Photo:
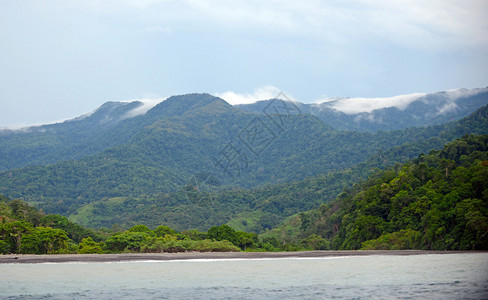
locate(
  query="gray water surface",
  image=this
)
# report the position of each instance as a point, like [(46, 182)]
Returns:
[(447, 276)]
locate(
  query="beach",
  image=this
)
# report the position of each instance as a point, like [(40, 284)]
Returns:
[(122, 257)]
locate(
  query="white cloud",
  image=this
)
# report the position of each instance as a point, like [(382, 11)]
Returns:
[(447, 108), (27, 128), (458, 93), (147, 104), (359, 105), (261, 93), (454, 95)]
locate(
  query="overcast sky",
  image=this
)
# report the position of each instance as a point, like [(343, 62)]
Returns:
[(60, 59)]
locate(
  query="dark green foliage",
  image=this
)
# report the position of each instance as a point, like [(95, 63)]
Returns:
[(172, 244), (144, 176), (127, 241), (315, 242), (74, 231), (192, 234), (4, 247), (12, 233), (438, 201), (88, 246), (164, 239), (20, 233), (240, 239), (19, 236), (30, 244), (223, 232), (264, 208), (140, 228), (403, 239), (44, 240), (162, 230), (22, 211)]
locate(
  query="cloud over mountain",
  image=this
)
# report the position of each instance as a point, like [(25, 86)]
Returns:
[(367, 105), (146, 105), (261, 93), (359, 105)]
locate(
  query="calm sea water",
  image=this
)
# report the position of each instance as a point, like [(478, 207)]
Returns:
[(449, 276)]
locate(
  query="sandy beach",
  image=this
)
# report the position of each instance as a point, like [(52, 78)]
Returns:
[(123, 257)]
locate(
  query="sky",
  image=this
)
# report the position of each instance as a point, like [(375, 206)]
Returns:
[(60, 59)]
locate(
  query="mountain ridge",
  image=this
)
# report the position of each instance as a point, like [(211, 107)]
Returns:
[(449, 98), (108, 126)]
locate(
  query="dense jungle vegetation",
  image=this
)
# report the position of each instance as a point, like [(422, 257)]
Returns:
[(437, 201)]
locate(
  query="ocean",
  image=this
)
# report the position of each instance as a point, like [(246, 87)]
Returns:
[(436, 276)]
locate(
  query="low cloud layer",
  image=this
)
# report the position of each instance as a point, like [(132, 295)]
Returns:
[(359, 105), (261, 93), (147, 104), (366, 105)]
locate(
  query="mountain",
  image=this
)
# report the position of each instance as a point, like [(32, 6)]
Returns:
[(200, 204), (116, 123), (386, 114), (142, 164), (72, 139), (112, 124)]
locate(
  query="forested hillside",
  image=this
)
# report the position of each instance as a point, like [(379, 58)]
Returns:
[(72, 139), (25, 230), (149, 175), (436, 201), (257, 209), (144, 181)]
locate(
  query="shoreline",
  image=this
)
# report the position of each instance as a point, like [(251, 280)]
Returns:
[(128, 257)]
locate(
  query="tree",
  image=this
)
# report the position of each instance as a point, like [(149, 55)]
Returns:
[(74, 231), (139, 228), (244, 240), (4, 247), (128, 241), (448, 165), (13, 232), (44, 240), (222, 232), (53, 240), (88, 246), (315, 242), (162, 230), (30, 244)]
